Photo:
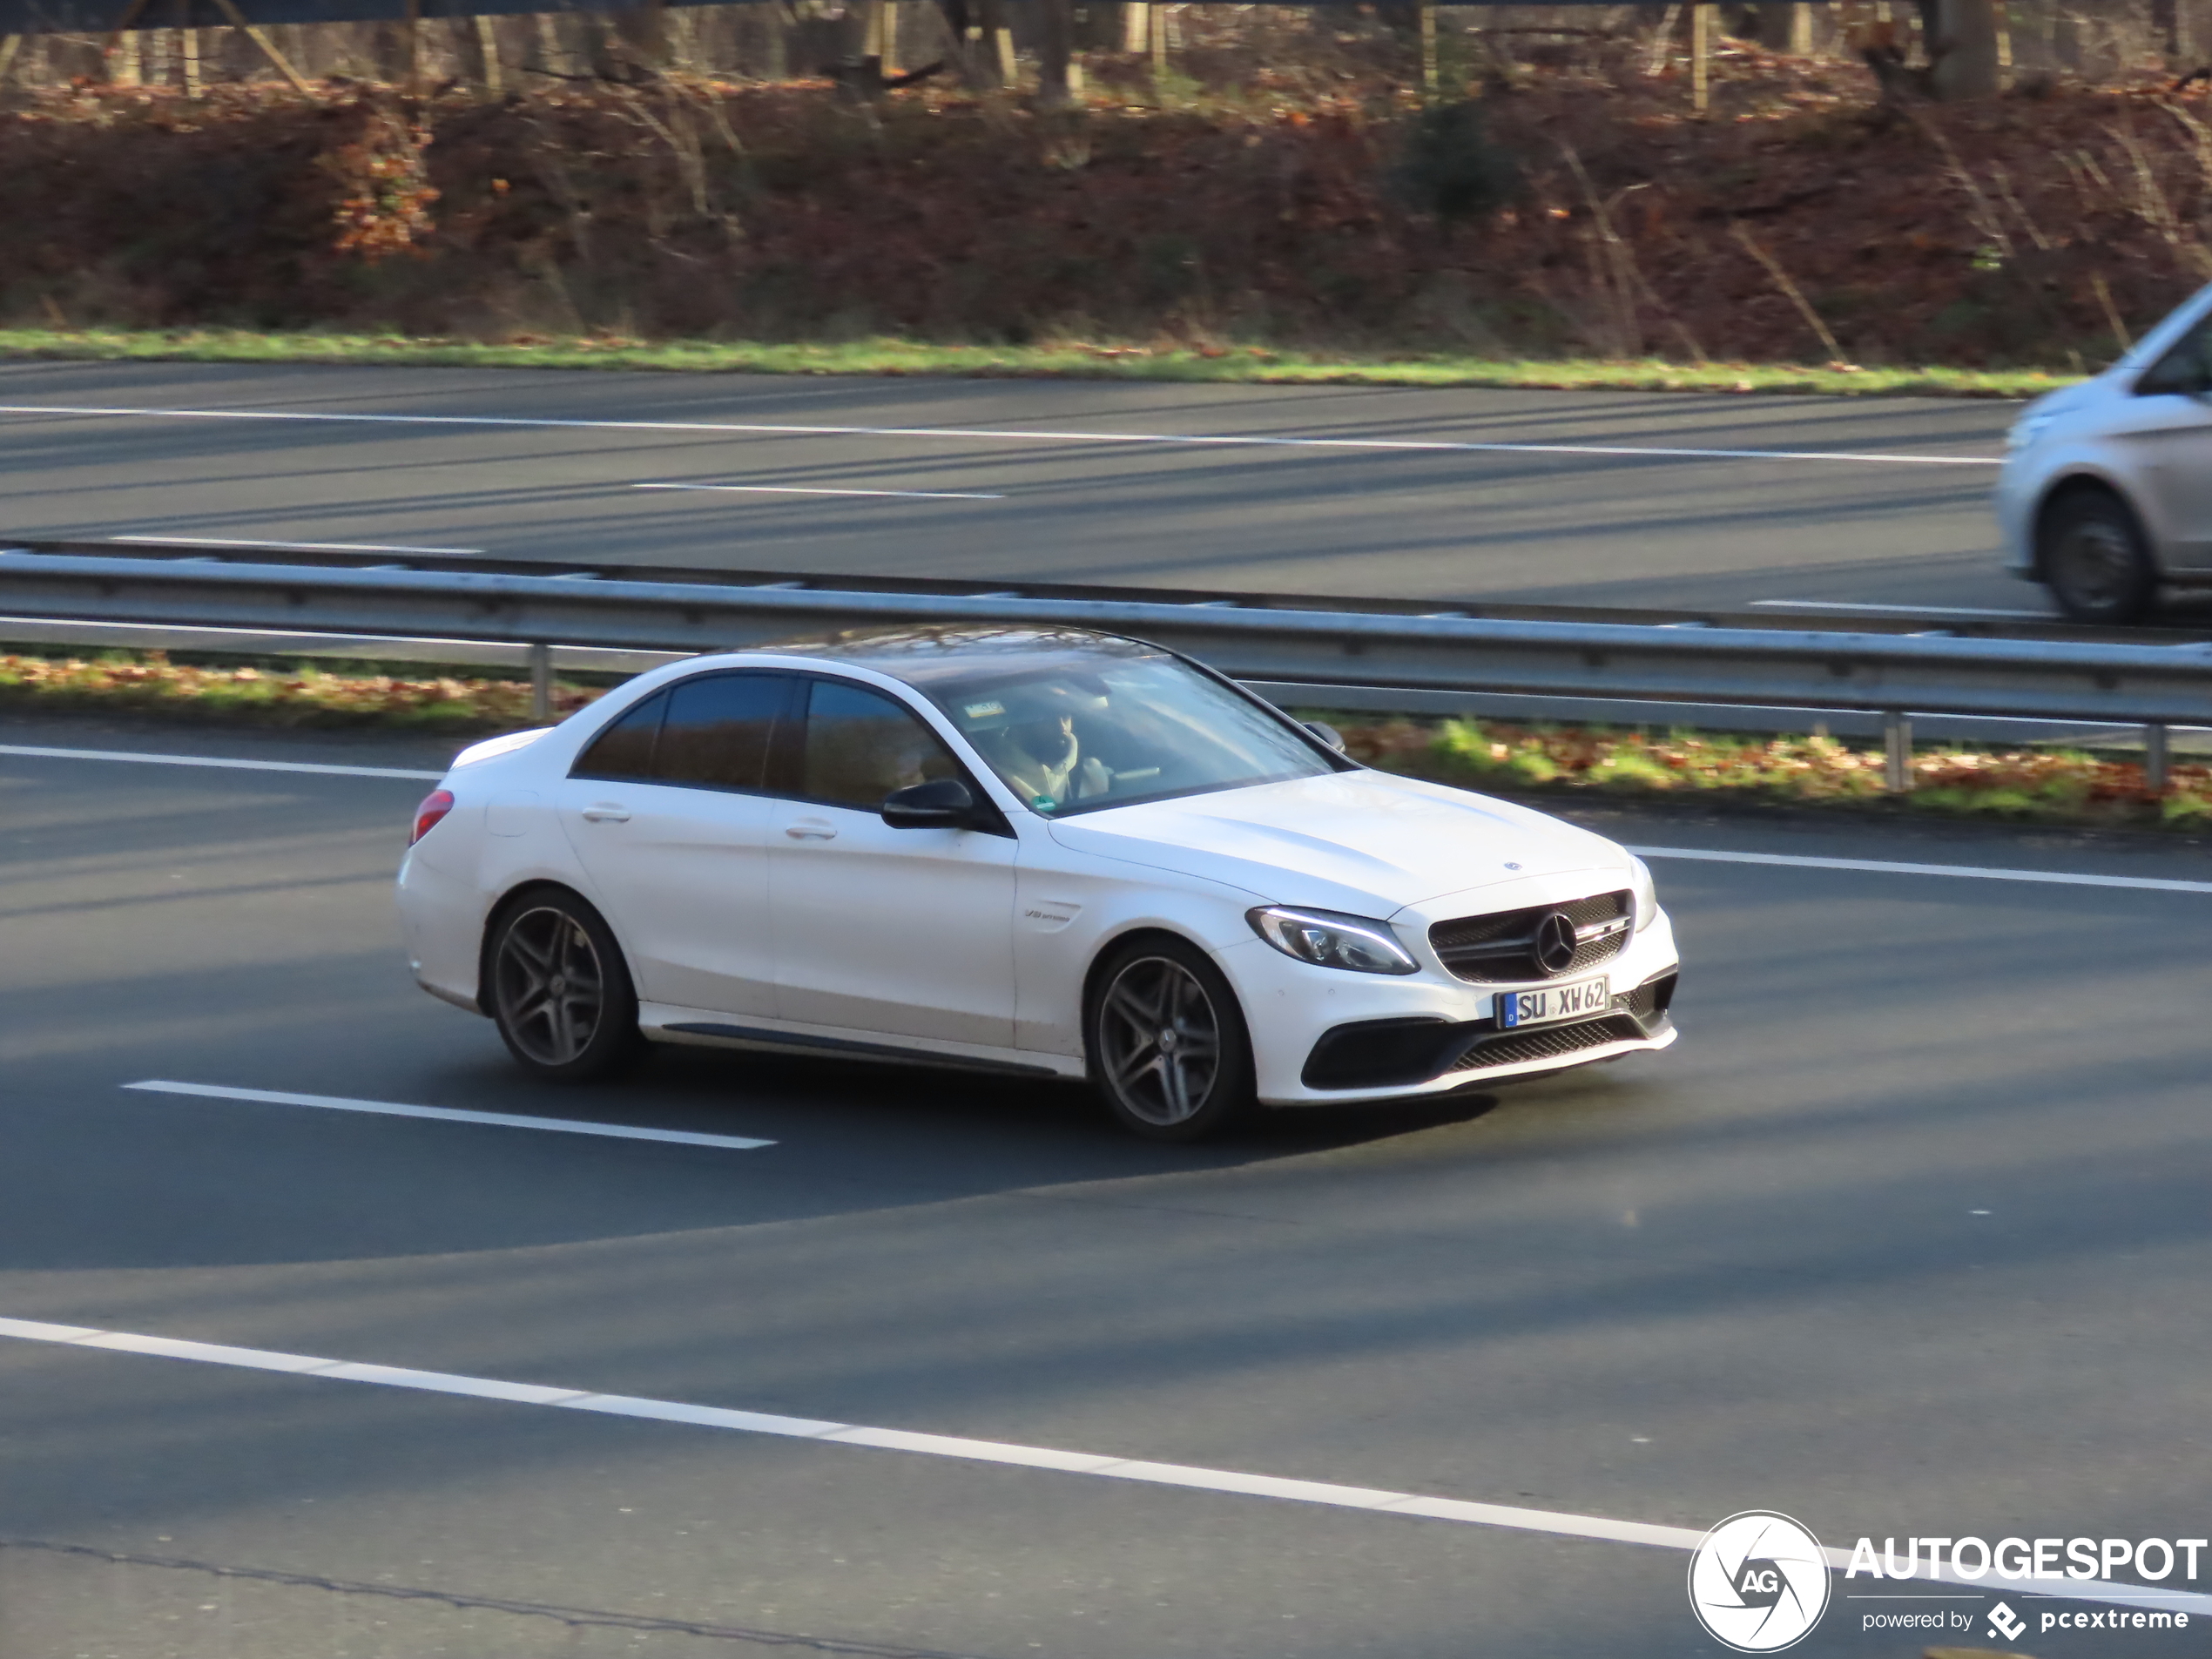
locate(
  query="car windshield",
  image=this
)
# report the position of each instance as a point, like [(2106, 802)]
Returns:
[(1080, 733)]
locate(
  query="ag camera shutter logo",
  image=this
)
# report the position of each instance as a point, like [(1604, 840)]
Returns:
[(1759, 1582)]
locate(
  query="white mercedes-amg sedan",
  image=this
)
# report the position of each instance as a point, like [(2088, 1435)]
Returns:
[(1030, 851)]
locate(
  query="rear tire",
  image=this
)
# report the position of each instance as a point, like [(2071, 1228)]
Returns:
[(1169, 1051), (559, 989), (2094, 561)]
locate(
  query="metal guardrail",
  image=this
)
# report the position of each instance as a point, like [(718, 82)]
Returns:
[(1893, 674), (1769, 615)]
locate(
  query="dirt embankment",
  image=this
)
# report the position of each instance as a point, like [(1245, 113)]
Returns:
[(1579, 213)]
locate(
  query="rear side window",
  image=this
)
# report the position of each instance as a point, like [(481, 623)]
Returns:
[(720, 730), (861, 745), (625, 749)]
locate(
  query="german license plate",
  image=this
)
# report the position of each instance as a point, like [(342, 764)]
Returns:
[(1582, 1000)]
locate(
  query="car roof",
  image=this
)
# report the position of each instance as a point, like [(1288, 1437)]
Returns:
[(926, 654)]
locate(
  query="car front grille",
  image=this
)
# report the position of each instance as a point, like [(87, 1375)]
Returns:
[(1548, 1043), (1500, 949)]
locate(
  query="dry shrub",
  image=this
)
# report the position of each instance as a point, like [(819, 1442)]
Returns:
[(2028, 230)]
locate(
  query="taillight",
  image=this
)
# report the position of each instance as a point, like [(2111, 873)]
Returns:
[(435, 806)]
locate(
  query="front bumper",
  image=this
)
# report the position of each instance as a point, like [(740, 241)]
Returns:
[(2018, 491), (1396, 1053), (1321, 1036)]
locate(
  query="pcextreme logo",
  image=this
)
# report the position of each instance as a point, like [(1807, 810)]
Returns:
[(1759, 1582)]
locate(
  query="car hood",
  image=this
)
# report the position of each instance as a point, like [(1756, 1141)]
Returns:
[(1360, 841)]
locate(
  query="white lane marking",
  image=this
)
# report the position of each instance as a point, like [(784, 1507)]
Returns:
[(34, 752), (283, 547), (1966, 872), (448, 1114), (795, 489), (1442, 445), (925, 1445), (1905, 610), (1371, 1499)]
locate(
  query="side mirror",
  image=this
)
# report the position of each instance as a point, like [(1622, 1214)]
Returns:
[(943, 803), (1327, 733)]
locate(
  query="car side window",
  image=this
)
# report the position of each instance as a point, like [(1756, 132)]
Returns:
[(720, 730), (861, 745), (2186, 368), (625, 749)]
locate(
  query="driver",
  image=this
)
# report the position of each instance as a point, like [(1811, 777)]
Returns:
[(1042, 758)]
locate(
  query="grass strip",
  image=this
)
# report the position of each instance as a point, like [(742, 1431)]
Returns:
[(2025, 786), (278, 694), (2069, 786), (1250, 365)]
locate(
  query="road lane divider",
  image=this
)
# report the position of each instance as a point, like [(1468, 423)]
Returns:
[(802, 489), (288, 547), (1232, 1482), (450, 1115), (1903, 611), (34, 751), (1961, 871), (997, 435)]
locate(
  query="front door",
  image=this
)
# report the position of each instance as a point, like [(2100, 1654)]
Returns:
[(667, 813), (2167, 435), (905, 932)]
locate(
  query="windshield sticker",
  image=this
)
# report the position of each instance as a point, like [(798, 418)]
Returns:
[(982, 710), (1043, 803)]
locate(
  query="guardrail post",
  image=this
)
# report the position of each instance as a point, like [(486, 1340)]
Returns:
[(540, 681), (2156, 762), (1897, 745)]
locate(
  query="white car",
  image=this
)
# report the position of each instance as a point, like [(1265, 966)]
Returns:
[(1045, 853), (2106, 493)]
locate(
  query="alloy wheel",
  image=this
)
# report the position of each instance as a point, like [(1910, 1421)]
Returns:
[(1160, 1040), (551, 986)]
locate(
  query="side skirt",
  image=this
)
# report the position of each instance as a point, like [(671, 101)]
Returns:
[(719, 1033)]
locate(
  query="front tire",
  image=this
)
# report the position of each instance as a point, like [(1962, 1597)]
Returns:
[(560, 992), (2095, 560), (1169, 1051)]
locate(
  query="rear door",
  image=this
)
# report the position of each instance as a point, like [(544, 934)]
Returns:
[(668, 811), (905, 931)]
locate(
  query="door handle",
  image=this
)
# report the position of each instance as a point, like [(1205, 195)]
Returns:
[(605, 815), (811, 831)]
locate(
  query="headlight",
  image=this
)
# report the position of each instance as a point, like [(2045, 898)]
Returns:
[(2029, 428), (1646, 893), (1328, 940)]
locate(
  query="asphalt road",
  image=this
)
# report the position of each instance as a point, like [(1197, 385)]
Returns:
[(1351, 491), (1907, 1235)]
